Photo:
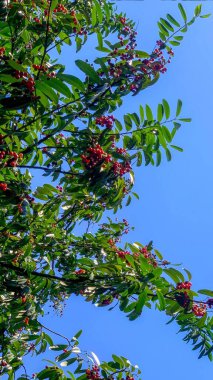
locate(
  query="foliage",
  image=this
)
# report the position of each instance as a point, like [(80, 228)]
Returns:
[(63, 125)]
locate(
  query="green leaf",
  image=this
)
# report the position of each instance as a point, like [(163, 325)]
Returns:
[(141, 302), (118, 360), (163, 29), (127, 122), (166, 133), (158, 254), (74, 81), (59, 86), (58, 347), (188, 273), (198, 10), (158, 158), (182, 11), (206, 16), (206, 292), (179, 107), (168, 155), (166, 108), (94, 15), (139, 158), (68, 362), (141, 54), (160, 112), (88, 70), (8, 78), (174, 274), (77, 335), (54, 3), (135, 118), (166, 24), (141, 113), (161, 300), (47, 91), (177, 148), (174, 43), (172, 20), (99, 11), (149, 114), (186, 120), (15, 65)]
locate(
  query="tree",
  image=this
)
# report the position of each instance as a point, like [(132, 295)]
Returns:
[(63, 125)]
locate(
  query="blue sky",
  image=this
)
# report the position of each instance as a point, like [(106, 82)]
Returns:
[(175, 206)]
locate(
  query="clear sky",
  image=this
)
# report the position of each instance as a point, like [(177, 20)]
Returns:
[(175, 207)]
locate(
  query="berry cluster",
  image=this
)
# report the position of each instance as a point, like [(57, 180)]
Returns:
[(74, 19), (93, 373), (121, 168), (26, 320), (36, 19), (183, 299), (199, 310), (3, 363), (30, 84), (60, 8), (120, 60), (95, 156), (122, 254), (121, 150), (27, 80), (157, 62), (59, 188), (2, 51), (3, 186), (20, 208), (39, 67), (151, 258), (11, 157), (20, 74), (145, 252), (29, 198), (105, 121), (107, 301), (118, 69), (184, 285), (80, 271)]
